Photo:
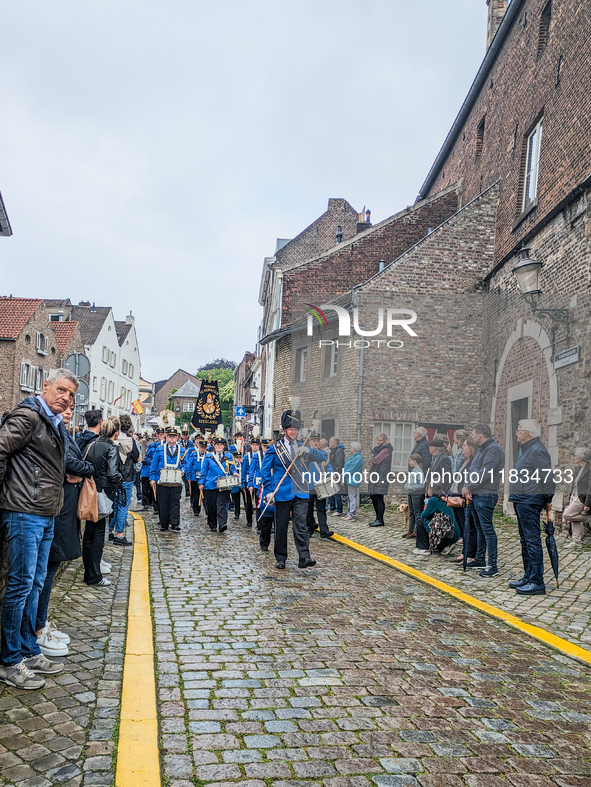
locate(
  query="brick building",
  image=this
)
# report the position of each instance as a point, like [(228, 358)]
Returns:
[(518, 164), (183, 400), (29, 349), (163, 388)]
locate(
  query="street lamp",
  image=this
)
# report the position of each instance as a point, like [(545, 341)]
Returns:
[(253, 393), (528, 274)]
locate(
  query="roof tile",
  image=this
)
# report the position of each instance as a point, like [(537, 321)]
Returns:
[(15, 314)]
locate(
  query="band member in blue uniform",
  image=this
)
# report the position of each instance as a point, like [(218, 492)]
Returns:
[(235, 493), (317, 470), (158, 440), (292, 495), (147, 494), (264, 520), (192, 464), (186, 445), (216, 465), (166, 478), (244, 474)]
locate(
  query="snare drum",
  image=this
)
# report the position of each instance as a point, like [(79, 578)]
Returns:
[(326, 490), (171, 476), (225, 483), (258, 480)]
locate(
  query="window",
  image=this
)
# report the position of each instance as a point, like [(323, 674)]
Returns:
[(544, 32), (103, 394), (39, 380), (55, 318), (400, 435), (480, 138), (131, 370), (532, 163), (302, 365), (189, 407), (106, 354), (25, 374), (42, 344), (113, 360), (124, 366), (95, 383), (331, 359), (333, 362), (110, 391)]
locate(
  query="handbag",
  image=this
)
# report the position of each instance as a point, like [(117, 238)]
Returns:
[(455, 501), (440, 526), (87, 499), (88, 502), (105, 505)]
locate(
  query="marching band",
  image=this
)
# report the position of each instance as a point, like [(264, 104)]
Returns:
[(278, 482)]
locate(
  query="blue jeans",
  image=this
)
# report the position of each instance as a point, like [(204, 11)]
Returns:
[(335, 503), (484, 505), (119, 518), (528, 520), (29, 540), (43, 605)]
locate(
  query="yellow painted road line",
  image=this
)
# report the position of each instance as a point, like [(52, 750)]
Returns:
[(533, 631), (138, 763)]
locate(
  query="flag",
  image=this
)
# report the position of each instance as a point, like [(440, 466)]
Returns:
[(137, 407), (208, 410)]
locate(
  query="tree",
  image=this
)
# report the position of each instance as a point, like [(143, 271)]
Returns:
[(219, 363), (220, 374)]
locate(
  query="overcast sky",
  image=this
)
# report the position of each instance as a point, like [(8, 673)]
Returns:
[(151, 153)]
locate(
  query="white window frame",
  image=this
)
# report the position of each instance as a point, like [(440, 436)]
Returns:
[(95, 384), (124, 366), (333, 364), (25, 375), (188, 407), (400, 436), (38, 380), (110, 391), (42, 344), (302, 368), (113, 360), (103, 393), (532, 165), (106, 354), (130, 369)]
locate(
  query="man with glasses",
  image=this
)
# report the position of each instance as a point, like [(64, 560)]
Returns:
[(532, 488)]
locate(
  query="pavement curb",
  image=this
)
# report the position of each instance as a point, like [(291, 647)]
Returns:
[(558, 643), (138, 763)]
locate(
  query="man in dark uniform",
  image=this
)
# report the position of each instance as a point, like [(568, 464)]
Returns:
[(186, 445), (290, 495)]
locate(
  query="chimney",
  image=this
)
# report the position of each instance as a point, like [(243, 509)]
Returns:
[(496, 12), (130, 320)]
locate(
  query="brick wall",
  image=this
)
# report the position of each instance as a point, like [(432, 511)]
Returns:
[(520, 87), (12, 353), (178, 379), (321, 234), (355, 261)]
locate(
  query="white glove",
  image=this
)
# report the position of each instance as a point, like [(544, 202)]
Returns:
[(302, 450)]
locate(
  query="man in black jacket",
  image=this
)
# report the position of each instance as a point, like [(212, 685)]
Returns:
[(532, 488), (421, 447), (486, 467), (32, 467)]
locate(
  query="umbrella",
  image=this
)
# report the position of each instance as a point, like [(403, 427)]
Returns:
[(551, 544)]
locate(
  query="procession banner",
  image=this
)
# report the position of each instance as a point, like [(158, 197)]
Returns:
[(208, 411)]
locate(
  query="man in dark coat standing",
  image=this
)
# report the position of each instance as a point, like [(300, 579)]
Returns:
[(531, 493), (421, 447), (33, 444)]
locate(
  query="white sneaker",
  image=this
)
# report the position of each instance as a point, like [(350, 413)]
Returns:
[(105, 567), (61, 636), (106, 563), (421, 552), (103, 582), (50, 646)]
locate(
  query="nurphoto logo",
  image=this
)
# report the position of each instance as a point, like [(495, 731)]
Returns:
[(394, 318)]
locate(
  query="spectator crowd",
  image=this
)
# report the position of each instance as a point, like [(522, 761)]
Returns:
[(48, 476)]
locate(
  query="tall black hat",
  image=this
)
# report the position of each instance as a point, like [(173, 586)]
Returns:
[(291, 418)]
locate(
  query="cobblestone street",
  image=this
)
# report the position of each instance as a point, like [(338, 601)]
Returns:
[(349, 674), (565, 610)]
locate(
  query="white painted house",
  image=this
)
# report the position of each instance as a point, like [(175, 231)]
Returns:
[(113, 352)]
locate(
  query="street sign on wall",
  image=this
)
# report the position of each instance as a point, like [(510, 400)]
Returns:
[(240, 412), (566, 357)]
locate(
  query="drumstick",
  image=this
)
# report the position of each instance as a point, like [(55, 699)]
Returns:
[(293, 461)]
